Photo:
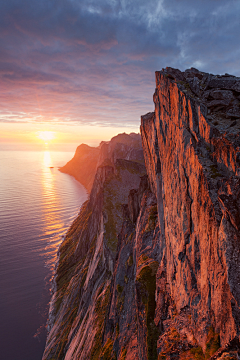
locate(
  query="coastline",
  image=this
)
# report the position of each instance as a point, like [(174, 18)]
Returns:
[(138, 271)]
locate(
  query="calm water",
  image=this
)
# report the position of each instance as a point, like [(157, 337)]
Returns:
[(37, 205)]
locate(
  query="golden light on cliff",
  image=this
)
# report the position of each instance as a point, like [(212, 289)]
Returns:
[(46, 136)]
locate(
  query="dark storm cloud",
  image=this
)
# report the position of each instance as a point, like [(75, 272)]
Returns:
[(94, 61)]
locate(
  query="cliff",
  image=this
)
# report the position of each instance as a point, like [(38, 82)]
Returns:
[(84, 164), (150, 268), (192, 141)]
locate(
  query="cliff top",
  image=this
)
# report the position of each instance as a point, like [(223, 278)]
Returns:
[(220, 94)]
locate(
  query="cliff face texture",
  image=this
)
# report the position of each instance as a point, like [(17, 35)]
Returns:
[(84, 164), (150, 268), (192, 143)]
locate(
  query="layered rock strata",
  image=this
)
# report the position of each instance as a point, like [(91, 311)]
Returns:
[(150, 268), (192, 147)]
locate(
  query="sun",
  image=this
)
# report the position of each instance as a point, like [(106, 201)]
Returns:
[(46, 135)]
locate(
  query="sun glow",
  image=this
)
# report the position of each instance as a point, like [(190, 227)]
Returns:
[(46, 136)]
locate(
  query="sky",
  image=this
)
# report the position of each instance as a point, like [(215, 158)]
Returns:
[(85, 69)]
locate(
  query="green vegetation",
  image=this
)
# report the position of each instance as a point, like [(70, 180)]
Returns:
[(119, 288), (120, 298), (58, 302), (143, 258), (68, 246), (66, 269), (107, 351), (129, 261), (170, 344), (67, 265), (152, 218), (101, 309), (110, 225), (65, 328), (147, 279), (131, 166), (106, 162), (197, 353), (213, 343), (214, 171)]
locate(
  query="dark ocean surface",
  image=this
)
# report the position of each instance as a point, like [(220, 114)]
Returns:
[(37, 205)]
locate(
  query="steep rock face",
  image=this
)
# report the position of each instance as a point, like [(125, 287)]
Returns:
[(150, 268), (122, 146), (84, 164), (84, 279), (193, 170)]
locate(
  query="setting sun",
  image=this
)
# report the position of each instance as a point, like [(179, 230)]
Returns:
[(46, 135)]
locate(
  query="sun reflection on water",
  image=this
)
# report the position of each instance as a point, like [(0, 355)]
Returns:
[(47, 159), (54, 228)]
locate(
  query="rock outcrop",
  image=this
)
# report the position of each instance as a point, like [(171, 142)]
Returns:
[(84, 164), (192, 146), (150, 268)]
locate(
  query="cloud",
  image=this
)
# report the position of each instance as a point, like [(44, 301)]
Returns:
[(93, 61)]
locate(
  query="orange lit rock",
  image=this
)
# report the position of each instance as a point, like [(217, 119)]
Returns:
[(150, 270)]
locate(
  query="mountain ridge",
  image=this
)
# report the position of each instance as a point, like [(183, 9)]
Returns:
[(149, 269)]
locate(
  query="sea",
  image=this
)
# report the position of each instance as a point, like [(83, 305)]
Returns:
[(37, 205)]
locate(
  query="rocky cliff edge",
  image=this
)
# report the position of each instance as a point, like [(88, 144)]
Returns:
[(150, 268), (87, 159)]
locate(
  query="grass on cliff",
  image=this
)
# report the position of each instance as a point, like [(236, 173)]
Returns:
[(152, 218), (113, 212), (107, 352), (120, 298), (123, 354), (171, 344), (70, 242), (133, 167), (65, 271), (65, 328), (129, 261), (214, 172), (147, 279), (67, 262), (212, 345), (110, 225), (142, 259), (101, 310)]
